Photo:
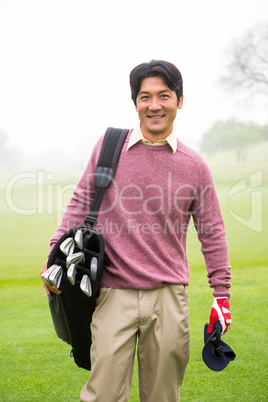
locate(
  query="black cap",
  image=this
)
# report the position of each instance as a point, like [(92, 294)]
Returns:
[(216, 354)]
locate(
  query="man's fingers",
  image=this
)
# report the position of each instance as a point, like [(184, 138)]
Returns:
[(48, 288), (213, 318)]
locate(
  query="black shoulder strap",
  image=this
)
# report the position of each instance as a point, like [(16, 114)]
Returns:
[(112, 145)]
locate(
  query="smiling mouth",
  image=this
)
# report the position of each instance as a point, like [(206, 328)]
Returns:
[(156, 117)]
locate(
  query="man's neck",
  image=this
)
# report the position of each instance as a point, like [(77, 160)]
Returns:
[(153, 137)]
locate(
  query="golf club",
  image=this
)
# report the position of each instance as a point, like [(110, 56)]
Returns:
[(79, 238), (85, 286), (94, 268), (55, 276), (67, 246), (48, 272), (75, 258), (71, 273)]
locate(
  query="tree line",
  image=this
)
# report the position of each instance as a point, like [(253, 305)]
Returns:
[(246, 74), (232, 135)]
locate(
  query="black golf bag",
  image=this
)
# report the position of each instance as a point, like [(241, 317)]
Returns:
[(72, 310)]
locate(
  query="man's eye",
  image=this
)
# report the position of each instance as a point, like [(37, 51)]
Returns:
[(164, 96), (144, 97)]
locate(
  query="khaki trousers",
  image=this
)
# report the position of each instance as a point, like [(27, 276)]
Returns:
[(159, 320)]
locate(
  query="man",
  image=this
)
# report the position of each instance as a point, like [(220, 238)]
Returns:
[(158, 186)]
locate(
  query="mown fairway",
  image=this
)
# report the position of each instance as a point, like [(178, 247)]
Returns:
[(35, 364)]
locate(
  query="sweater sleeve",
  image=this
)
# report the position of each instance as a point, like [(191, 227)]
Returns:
[(79, 205), (211, 232)]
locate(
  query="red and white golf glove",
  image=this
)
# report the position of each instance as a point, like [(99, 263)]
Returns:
[(220, 311)]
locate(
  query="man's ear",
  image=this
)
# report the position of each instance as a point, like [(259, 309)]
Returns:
[(180, 103)]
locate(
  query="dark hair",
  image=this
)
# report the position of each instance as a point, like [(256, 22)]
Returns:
[(156, 68)]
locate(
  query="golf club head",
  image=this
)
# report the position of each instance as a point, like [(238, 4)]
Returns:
[(58, 278), (94, 268), (67, 246), (56, 275), (75, 258), (48, 272), (79, 238), (85, 286), (71, 273)]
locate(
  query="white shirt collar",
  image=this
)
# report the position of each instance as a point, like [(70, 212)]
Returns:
[(137, 136)]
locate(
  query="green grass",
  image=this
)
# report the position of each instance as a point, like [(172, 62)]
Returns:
[(35, 364)]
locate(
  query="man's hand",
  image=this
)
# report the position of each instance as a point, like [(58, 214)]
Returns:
[(220, 311), (47, 287)]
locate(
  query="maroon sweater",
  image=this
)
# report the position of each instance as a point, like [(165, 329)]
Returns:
[(145, 215)]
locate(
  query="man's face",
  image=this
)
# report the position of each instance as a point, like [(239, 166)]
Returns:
[(157, 107)]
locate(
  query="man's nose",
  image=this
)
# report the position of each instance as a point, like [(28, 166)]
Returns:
[(154, 104)]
